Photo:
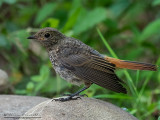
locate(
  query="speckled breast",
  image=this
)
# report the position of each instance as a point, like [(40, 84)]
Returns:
[(62, 71)]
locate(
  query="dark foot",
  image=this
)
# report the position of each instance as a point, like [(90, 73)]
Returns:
[(83, 95), (67, 98), (72, 96)]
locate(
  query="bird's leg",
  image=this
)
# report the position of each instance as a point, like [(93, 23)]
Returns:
[(77, 93), (71, 96)]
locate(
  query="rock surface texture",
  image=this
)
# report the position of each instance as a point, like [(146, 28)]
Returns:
[(14, 105), (38, 108), (80, 109), (3, 80)]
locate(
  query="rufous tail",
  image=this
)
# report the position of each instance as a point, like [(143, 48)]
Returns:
[(131, 64)]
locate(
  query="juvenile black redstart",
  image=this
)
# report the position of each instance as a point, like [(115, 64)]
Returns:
[(79, 64)]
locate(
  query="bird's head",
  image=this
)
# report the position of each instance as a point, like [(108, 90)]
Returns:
[(47, 36)]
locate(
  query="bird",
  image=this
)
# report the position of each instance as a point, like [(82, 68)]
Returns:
[(79, 64)]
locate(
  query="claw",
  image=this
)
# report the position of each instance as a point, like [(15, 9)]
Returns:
[(67, 98), (72, 96)]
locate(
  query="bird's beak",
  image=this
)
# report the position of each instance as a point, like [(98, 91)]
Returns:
[(31, 37)]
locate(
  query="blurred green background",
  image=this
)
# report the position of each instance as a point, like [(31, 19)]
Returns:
[(129, 29)]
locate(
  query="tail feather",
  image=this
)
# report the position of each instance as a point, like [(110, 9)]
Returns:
[(131, 64)]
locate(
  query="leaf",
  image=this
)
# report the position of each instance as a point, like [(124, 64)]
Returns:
[(55, 85), (26, 14), (50, 86), (150, 30), (19, 38), (73, 14), (119, 7), (36, 78), (1, 2), (89, 19), (30, 86), (44, 12), (10, 1), (22, 37), (44, 74), (44, 71), (3, 41), (72, 19), (20, 92), (156, 2), (41, 79), (51, 22)]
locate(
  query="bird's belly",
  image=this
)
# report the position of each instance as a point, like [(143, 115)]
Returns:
[(68, 75), (63, 72)]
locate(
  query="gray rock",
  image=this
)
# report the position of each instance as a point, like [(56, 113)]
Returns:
[(4, 83), (38, 108), (81, 109), (14, 105)]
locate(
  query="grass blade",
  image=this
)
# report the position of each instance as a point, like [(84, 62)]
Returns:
[(129, 79)]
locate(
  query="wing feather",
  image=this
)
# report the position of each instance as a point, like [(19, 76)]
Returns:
[(94, 69)]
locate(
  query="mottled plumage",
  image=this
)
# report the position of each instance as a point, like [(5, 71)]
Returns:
[(78, 63)]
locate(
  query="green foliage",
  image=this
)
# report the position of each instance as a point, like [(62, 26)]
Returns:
[(130, 81), (3, 41), (51, 22), (150, 30), (44, 12), (7, 1), (72, 19), (125, 29), (135, 94), (156, 2), (119, 7), (89, 19)]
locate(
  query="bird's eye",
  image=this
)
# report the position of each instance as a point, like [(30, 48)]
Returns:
[(47, 35)]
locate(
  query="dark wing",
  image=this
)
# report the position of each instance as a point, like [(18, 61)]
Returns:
[(94, 69)]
